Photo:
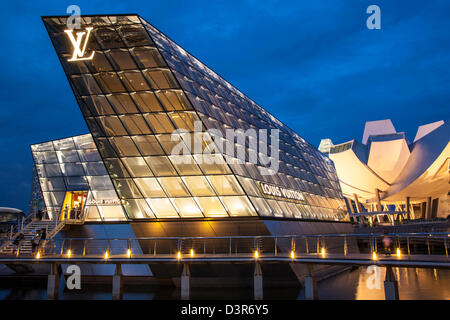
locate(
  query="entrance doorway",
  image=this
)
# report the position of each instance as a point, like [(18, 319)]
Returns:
[(73, 206)]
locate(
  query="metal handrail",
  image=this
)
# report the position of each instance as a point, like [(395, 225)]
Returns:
[(235, 245), (333, 235)]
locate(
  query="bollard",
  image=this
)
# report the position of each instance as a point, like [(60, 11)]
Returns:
[(258, 282)]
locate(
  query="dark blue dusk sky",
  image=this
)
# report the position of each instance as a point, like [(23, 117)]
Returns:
[(312, 64)]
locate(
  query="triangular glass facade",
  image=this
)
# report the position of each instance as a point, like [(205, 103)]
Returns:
[(140, 87)]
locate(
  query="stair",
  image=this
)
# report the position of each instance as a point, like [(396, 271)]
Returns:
[(25, 248)]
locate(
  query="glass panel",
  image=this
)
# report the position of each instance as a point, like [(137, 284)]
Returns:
[(125, 146), (72, 169), (108, 38), (46, 146), (50, 170), (67, 156), (212, 207), (238, 206), (122, 59), (92, 213), (184, 120), (54, 199), (249, 186), (65, 144), (134, 35), (116, 169), (136, 81), (150, 187), (112, 126), (100, 183), (135, 124), (45, 157), (111, 212), (174, 186), (85, 85), (173, 100), (84, 142), (95, 169), (161, 166), (172, 143), (98, 63), (261, 205), (126, 188), (148, 145), (225, 185), (122, 103), (147, 102), (160, 123), (89, 155), (109, 82), (185, 165), (276, 210), (108, 196), (162, 208), (199, 186), (286, 210), (76, 183), (294, 209), (138, 209), (52, 184), (160, 78), (147, 57), (187, 207), (212, 163), (137, 167)]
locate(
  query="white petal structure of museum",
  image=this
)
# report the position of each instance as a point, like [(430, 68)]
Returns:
[(387, 173)]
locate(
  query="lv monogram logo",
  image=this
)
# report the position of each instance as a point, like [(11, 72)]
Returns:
[(78, 52)]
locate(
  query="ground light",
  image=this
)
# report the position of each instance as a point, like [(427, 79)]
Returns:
[(399, 253), (179, 255), (374, 256), (38, 255), (256, 254), (192, 253), (129, 253), (106, 255), (292, 254), (69, 253), (323, 252)]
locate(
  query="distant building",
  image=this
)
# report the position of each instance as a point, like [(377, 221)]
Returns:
[(388, 173), (325, 145), (10, 218)]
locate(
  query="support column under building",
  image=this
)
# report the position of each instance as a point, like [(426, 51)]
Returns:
[(53, 282), (185, 283), (358, 205), (408, 208), (117, 284), (390, 285), (310, 285), (377, 194), (258, 282), (428, 209)]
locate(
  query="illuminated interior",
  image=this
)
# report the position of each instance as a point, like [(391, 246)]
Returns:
[(73, 205)]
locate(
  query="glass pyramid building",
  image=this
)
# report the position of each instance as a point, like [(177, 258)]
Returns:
[(143, 96)]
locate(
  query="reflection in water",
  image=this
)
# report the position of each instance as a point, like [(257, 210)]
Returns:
[(359, 284), (413, 284)]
